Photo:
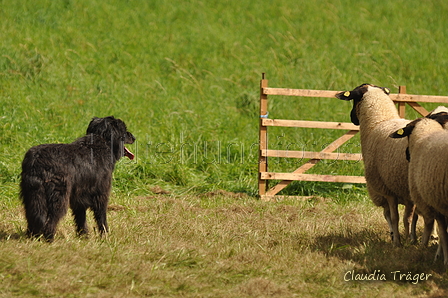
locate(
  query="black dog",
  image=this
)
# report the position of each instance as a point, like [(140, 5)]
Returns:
[(79, 175)]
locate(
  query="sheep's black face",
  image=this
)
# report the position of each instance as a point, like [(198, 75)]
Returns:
[(357, 96), (441, 118)]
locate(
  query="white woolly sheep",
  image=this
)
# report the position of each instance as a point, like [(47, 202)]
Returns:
[(385, 165), (428, 173)]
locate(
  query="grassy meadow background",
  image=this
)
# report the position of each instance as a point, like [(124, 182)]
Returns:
[(184, 76)]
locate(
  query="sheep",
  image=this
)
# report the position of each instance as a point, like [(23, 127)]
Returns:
[(427, 155), (386, 168)]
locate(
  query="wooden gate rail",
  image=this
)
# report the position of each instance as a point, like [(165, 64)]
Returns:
[(401, 98)]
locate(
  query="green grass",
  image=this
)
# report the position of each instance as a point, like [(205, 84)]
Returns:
[(184, 76)]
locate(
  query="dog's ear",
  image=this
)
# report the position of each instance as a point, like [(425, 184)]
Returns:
[(95, 125), (100, 126)]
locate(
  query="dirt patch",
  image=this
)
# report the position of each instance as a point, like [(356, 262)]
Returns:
[(224, 193), (116, 207), (159, 191)]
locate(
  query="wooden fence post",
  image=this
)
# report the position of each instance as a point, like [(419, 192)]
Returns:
[(263, 145), (401, 105)]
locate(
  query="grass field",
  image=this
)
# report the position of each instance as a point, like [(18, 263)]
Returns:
[(184, 76), (219, 245)]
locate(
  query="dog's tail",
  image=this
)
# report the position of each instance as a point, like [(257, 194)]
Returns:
[(35, 203)]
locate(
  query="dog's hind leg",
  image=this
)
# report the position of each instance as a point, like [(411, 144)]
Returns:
[(58, 200), (79, 215), (50, 228), (36, 218), (51, 225)]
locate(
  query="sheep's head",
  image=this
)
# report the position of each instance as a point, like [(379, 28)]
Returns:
[(438, 110), (357, 95), (406, 131), (440, 114)]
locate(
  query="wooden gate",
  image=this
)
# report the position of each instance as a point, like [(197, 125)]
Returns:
[(401, 98)]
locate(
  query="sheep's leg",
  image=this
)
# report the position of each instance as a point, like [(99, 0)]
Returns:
[(386, 213), (414, 227), (427, 231), (439, 252), (408, 220), (394, 217), (443, 237)]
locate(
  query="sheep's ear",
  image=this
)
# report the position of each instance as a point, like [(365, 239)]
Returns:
[(356, 94), (402, 132), (398, 134), (344, 95)]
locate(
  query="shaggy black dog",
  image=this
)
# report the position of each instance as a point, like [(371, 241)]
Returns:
[(79, 175)]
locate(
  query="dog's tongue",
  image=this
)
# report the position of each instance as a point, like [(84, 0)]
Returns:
[(128, 153)]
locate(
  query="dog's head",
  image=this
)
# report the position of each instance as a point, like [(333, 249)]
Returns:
[(113, 130)]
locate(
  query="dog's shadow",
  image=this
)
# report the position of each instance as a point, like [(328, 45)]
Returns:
[(7, 235)]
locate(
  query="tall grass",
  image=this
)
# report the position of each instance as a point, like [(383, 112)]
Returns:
[(184, 76)]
